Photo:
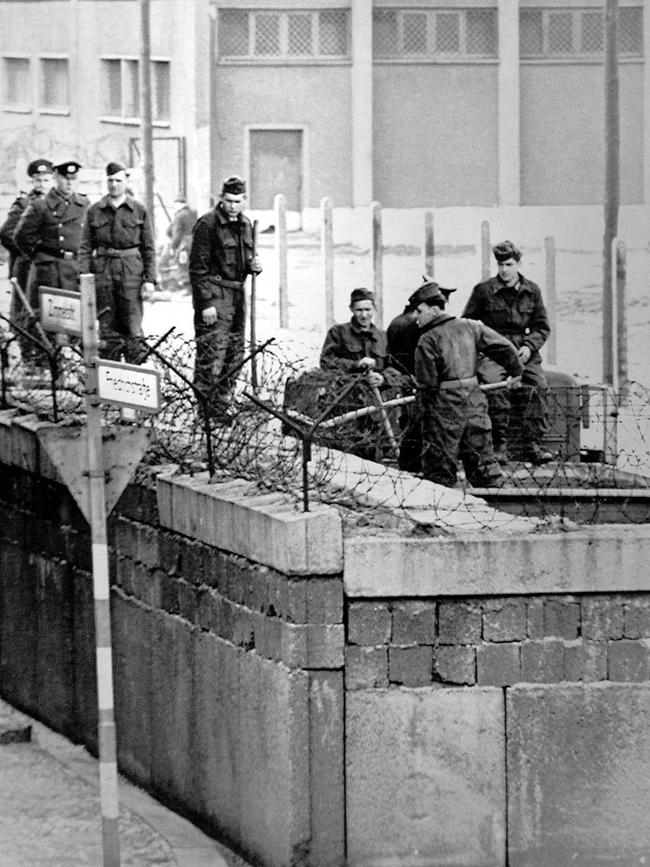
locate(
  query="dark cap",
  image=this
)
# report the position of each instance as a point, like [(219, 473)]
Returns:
[(361, 294), (69, 169), (506, 250), (39, 167), (234, 185), (114, 168), (429, 290)]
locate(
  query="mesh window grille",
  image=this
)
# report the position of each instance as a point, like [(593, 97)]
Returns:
[(433, 34), (577, 32), (291, 34)]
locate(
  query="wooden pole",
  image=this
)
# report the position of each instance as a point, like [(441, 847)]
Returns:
[(253, 314), (327, 257), (429, 244), (377, 262), (146, 120), (551, 299), (612, 191), (621, 318), (485, 250), (101, 583), (280, 208)]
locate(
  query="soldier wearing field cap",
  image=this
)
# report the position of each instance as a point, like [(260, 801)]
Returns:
[(455, 421), (118, 248), (221, 257), (40, 175), (49, 232)]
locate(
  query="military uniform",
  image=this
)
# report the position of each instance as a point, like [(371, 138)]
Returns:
[(118, 247), (455, 421), (519, 314)]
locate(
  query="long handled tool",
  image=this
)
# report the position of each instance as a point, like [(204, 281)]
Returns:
[(253, 314)]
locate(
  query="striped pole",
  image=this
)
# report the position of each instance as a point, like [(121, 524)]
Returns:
[(101, 583)]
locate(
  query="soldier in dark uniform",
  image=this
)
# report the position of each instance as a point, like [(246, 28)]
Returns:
[(40, 173), (221, 258), (118, 247), (455, 421), (514, 307)]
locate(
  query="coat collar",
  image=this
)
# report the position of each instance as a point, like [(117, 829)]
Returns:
[(522, 286), (105, 202)]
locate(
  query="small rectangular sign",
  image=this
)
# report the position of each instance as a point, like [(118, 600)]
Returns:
[(129, 385), (60, 310)]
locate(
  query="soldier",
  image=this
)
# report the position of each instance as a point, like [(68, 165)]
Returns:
[(221, 258), (513, 306), (118, 248), (455, 421), (40, 173)]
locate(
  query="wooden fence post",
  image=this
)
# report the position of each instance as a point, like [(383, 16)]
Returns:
[(377, 262), (280, 208), (551, 298), (621, 319), (429, 244), (485, 250), (327, 258)]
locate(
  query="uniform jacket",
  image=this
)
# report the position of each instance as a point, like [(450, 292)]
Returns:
[(18, 263), (52, 224), (119, 228), (346, 344), (449, 349), (403, 335), (220, 251), (519, 315)]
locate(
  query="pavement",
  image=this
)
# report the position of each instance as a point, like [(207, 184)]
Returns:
[(50, 812)]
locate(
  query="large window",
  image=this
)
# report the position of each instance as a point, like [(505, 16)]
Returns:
[(17, 88), (120, 89), (434, 34), (577, 33), (299, 35), (53, 86)]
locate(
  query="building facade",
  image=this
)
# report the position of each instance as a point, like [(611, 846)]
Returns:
[(413, 103)]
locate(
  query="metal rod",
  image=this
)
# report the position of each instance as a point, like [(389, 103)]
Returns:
[(253, 313)]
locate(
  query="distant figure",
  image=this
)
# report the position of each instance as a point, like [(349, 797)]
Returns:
[(118, 248), (514, 307), (455, 421), (221, 258), (180, 229)]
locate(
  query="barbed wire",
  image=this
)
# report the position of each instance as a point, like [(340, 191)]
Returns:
[(299, 432)]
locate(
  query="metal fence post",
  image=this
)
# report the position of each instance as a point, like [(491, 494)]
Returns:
[(377, 262), (551, 299), (327, 258), (429, 244), (485, 250), (280, 208)]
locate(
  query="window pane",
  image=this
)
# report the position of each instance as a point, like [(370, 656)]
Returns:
[(300, 35), (592, 39), (630, 31), (560, 33), (481, 32), (111, 87), (531, 33), (131, 105), (16, 90), (384, 33), (333, 32), (267, 34), (54, 82), (414, 33), (447, 33), (160, 80), (233, 33)]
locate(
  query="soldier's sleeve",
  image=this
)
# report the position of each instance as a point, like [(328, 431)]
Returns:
[(26, 232), (539, 325), (426, 365), (474, 307), (148, 250), (9, 226), (204, 284), (498, 348), (86, 247), (331, 356)]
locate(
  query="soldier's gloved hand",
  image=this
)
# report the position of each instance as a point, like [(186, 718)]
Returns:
[(209, 315), (147, 291), (256, 265), (366, 363), (375, 378), (524, 353)]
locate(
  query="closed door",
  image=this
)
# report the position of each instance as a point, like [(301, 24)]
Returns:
[(276, 167)]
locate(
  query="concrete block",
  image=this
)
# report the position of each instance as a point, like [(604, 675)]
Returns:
[(585, 660), (602, 617), (627, 660), (26, 448), (535, 618), (459, 623), (6, 435), (414, 622), (19, 627), (273, 760), (369, 623), (85, 664), (504, 620), (561, 618), (578, 774), (636, 615), (542, 661), (425, 777), (497, 664), (454, 664), (366, 667), (410, 666)]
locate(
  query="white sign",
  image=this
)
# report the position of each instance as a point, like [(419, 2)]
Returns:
[(129, 385), (60, 310)]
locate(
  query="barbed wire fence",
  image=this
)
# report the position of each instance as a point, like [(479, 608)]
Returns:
[(321, 436)]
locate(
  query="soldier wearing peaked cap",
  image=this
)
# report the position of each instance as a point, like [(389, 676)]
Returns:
[(118, 248)]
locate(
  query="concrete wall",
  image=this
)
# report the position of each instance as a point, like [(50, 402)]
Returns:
[(474, 697)]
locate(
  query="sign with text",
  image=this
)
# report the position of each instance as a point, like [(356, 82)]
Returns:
[(129, 385), (60, 310)]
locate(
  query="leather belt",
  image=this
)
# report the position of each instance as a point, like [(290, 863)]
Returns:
[(115, 251), (469, 382), (58, 254), (230, 284)]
